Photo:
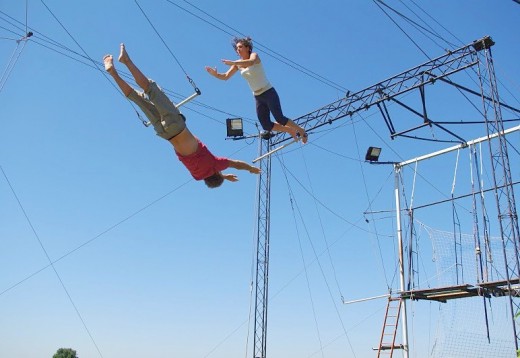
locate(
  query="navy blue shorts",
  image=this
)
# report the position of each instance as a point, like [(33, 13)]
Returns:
[(266, 103)]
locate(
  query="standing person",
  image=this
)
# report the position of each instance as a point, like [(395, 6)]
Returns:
[(266, 97), (170, 124)]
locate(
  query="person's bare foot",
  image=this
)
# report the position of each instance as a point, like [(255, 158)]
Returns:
[(108, 60), (294, 134), (302, 135), (123, 55)]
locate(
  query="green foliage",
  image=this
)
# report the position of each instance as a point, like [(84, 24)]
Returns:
[(65, 353)]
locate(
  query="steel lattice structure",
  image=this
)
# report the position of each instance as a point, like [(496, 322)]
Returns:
[(262, 252), (502, 179), (415, 78), (477, 55)]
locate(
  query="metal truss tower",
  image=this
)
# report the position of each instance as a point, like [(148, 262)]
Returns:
[(502, 179), (262, 249), (478, 55)]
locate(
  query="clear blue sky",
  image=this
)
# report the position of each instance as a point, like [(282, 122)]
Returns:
[(158, 265)]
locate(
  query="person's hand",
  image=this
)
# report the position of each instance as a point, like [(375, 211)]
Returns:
[(254, 170), (228, 62), (230, 177), (211, 70)]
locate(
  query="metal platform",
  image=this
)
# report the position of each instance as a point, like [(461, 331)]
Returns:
[(487, 289)]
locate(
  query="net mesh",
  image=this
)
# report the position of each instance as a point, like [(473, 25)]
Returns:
[(464, 323)]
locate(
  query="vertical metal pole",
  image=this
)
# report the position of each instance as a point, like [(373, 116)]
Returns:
[(262, 250), (404, 321)]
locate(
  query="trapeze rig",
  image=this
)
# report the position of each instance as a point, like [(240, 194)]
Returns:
[(476, 54)]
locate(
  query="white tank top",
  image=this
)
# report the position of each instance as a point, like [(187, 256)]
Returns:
[(256, 78)]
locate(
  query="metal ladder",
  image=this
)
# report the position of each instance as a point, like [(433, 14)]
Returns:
[(387, 342)]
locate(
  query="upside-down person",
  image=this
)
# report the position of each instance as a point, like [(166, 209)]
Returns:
[(170, 124)]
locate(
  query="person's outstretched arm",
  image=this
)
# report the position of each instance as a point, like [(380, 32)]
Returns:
[(240, 165), (222, 76), (252, 60)]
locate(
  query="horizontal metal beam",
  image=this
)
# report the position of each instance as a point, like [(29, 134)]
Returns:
[(456, 147)]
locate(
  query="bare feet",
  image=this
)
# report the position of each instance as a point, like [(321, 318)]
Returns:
[(297, 132), (293, 134), (108, 60), (303, 135), (123, 55)]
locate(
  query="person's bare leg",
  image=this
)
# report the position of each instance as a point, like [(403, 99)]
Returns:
[(140, 79), (108, 60)]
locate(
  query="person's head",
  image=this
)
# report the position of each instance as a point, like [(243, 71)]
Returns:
[(214, 181), (244, 42)]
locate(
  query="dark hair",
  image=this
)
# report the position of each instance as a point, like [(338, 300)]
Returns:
[(246, 41), (214, 181)]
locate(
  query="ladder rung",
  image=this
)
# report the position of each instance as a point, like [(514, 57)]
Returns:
[(390, 324)]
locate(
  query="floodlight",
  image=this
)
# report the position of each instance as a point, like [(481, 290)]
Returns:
[(234, 127), (373, 154)]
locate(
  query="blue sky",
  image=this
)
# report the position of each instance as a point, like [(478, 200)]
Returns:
[(156, 264)]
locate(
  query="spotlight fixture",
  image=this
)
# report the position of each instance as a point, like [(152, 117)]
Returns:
[(373, 154), (234, 127)]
